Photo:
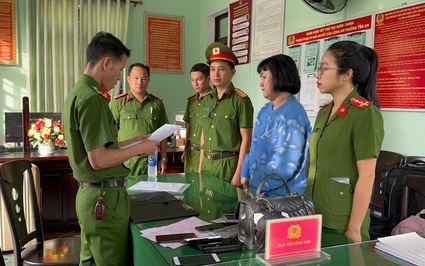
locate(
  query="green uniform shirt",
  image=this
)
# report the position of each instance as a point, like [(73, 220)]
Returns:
[(223, 119), (137, 118), (193, 116), (353, 133), (89, 124)]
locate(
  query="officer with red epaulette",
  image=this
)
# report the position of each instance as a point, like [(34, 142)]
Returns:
[(228, 118), (139, 112), (345, 143)]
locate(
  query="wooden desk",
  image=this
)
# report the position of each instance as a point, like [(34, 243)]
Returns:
[(59, 188)]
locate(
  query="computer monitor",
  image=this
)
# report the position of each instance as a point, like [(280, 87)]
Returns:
[(13, 123)]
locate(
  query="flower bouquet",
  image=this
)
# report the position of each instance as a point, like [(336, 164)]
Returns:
[(45, 131)]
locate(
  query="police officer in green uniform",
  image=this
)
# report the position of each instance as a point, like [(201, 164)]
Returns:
[(228, 118), (200, 79), (102, 203), (345, 143), (139, 112)]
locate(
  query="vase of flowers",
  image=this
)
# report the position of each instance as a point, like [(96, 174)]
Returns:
[(46, 133)]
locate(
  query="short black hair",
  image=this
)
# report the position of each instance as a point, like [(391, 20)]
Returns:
[(105, 44), (141, 66), (201, 67), (284, 72)]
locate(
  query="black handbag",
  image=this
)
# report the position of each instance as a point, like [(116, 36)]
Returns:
[(252, 231)]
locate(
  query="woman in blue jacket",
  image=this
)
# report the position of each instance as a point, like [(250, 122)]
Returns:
[(281, 132)]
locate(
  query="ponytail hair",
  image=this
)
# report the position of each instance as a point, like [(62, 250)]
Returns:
[(363, 61)]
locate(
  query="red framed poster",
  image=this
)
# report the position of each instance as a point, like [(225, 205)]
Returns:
[(240, 29), (164, 43), (8, 29), (399, 36)]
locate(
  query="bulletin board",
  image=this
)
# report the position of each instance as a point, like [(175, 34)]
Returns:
[(8, 33), (307, 47), (164, 42), (396, 35)]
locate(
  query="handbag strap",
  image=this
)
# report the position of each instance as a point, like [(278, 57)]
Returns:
[(269, 205), (260, 186)]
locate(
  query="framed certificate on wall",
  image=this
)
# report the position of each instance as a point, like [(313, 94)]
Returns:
[(164, 42), (8, 32)]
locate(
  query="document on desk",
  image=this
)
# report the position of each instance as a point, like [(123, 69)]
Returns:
[(159, 186), (185, 226), (409, 247), (159, 134)]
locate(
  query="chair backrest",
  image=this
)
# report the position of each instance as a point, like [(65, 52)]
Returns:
[(12, 177), (414, 187), (386, 161)]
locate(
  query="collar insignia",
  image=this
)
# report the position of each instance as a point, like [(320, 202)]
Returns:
[(342, 110), (105, 94)]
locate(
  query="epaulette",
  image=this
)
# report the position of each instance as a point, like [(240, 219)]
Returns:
[(121, 95), (208, 93), (241, 93), (159, 98), (359, 102), (191, 96), (325, 104)]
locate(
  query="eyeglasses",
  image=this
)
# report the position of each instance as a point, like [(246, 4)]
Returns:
[(320, 69)]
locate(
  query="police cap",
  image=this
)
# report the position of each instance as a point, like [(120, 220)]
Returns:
[(220, 51)]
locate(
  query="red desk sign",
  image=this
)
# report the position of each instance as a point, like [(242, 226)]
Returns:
[(293, 236)]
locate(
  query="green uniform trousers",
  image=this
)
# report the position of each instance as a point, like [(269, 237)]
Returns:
[(104, 242), (191, 161), (223, 168)]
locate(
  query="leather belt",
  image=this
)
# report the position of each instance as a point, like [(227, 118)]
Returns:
[(195, 148), (221, 155), (106, 183)]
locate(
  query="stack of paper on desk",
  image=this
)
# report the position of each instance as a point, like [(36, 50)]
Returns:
[(159, 186), (185, 226), (409, 247)]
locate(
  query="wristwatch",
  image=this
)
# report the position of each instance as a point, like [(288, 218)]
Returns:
[(164, 159)]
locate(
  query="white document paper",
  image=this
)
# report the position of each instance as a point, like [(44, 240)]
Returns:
[(409, 247), (159, 186), (159, 134), (163, 132), (185, 226)]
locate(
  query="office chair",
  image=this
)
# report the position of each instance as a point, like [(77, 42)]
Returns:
[(414, 187), (29, 246)]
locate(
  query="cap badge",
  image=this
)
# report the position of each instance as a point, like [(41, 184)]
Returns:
[(216, 50)]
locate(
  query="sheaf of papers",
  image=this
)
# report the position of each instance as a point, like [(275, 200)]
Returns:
[(159, 186), (409, 247), (159, 134), (185, 226)]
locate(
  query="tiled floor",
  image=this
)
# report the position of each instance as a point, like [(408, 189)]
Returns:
[(8, 256)]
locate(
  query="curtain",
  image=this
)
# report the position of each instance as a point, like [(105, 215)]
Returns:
[(59, 32)]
